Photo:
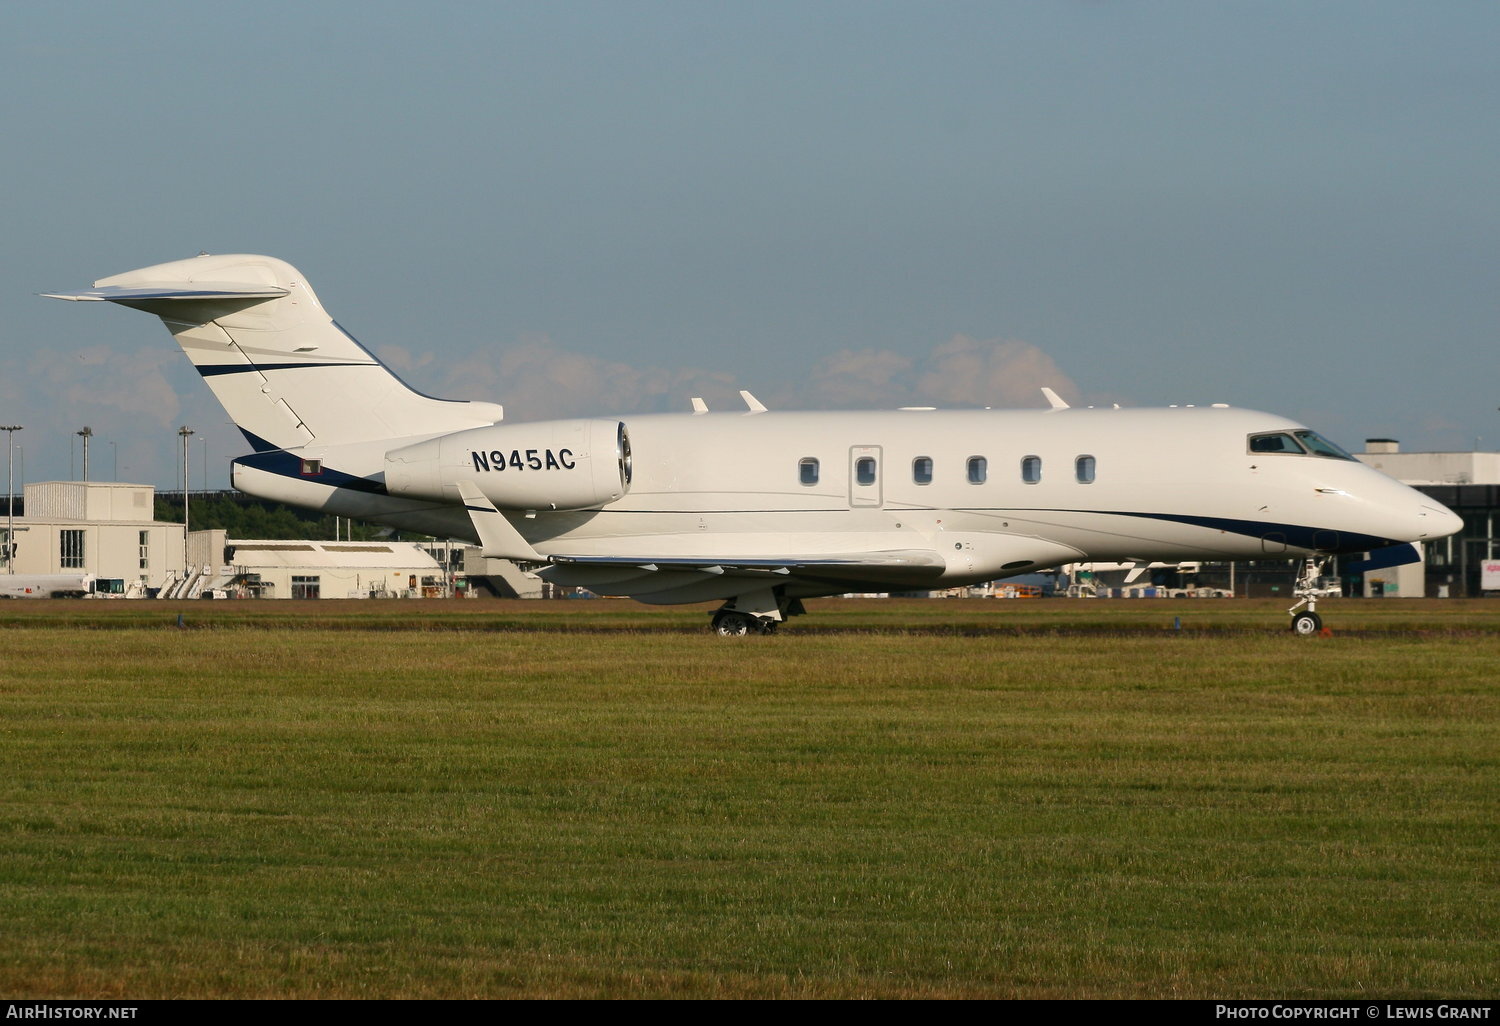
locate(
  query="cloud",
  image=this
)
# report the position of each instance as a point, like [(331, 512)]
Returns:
[(963, 372), (132, 383), (538, 379), (856, 378), (125, 396), (402, 360), (997, 372)]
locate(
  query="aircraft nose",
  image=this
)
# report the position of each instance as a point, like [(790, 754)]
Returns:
[(1438, 521)]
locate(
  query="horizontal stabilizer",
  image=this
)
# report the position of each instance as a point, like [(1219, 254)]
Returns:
[(198, 291)]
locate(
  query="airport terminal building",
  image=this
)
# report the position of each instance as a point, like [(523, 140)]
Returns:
[(1464, 565)]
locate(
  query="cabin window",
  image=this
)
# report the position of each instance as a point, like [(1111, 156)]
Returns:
[(979, 469), (807, 470), (921, 470), (1083, 469), (1031, 469), (312, 468), (71, 555), (864, 470)]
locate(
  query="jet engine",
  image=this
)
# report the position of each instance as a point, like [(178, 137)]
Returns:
[(551, 464)]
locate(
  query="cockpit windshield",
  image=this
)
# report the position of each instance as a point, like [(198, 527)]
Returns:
[(1279, 442), (1298, 443), (1320, 446)]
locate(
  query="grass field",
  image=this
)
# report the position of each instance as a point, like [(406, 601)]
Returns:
[(887, 799)]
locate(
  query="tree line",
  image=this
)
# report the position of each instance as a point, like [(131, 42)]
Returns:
[(252, 518)]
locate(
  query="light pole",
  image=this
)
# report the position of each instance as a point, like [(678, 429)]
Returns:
[(10, 496), (186, 433), (86, 434)]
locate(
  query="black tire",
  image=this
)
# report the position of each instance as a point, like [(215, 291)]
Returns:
[(730, 624), (1306, 624)]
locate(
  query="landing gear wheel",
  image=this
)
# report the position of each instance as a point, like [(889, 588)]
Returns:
[(1306, 624), (730, 624), (1305, 620)]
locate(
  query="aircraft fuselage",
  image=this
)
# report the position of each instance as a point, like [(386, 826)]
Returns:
[(994, 492)]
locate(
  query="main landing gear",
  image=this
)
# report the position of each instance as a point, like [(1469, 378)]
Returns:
[(757, 612), (729, 623), (1306, 621)]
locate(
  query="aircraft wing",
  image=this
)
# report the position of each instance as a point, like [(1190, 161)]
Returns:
[(498, 537), (852, 564), (694, 578)]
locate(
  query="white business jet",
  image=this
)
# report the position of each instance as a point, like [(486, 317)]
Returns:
[(758, 508)]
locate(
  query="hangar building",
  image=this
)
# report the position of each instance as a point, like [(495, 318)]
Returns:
[(325, 569)]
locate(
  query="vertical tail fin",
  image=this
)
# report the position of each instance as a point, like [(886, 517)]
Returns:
[(286, 373)]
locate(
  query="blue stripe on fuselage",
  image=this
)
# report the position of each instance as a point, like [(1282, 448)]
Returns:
[(257, 443), (1320, 539), (286, 464), (210, 370)]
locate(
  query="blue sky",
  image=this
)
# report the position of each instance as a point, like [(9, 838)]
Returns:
[(611, 207)]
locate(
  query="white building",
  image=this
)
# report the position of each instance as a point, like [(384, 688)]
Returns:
[(1420, 469), (1464, 564), (101, 528), (108, 530), (325, 569)]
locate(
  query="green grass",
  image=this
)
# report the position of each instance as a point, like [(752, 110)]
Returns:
[(934, 799)]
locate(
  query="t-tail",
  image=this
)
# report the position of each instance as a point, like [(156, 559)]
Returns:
[(284, 370)]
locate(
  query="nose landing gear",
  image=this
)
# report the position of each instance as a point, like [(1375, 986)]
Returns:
[(1306, 621)]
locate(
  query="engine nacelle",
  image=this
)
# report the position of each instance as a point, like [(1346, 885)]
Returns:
[(551, 464)]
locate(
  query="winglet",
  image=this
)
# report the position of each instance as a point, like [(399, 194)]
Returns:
[(756, 406), (1053, 399), (498, 537)]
